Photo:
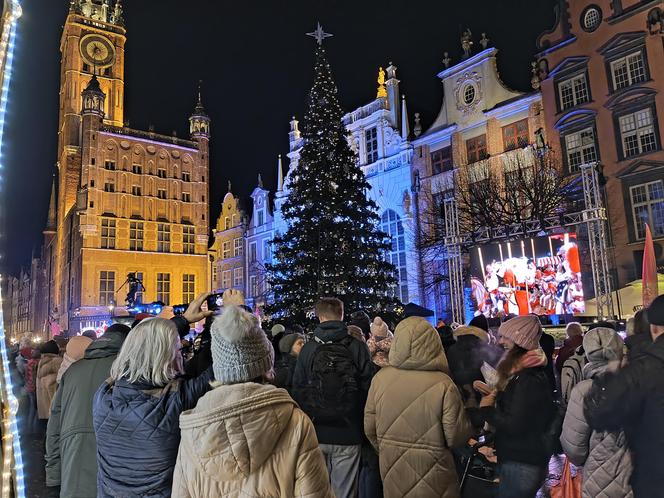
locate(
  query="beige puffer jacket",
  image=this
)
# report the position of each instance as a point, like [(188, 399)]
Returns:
[(414, 415), (46, 383), (248, 440)]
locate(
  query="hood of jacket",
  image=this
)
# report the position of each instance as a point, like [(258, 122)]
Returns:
[(471, 331), (235, 428), (107, 345), (333, 330), (416, 346)]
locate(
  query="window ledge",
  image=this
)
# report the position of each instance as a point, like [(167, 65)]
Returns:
[(638, 156), (574, 108)]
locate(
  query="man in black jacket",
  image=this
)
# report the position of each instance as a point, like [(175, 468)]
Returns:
[(340, 440), (632, 400)]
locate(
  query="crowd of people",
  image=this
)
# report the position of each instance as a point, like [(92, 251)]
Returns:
[(353, 408)]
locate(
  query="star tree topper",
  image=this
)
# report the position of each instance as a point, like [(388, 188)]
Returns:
[(319, 34)]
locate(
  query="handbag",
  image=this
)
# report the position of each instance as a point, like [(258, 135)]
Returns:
[(568, 487)]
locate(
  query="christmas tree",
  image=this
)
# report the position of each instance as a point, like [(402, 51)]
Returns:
[(333, 246)]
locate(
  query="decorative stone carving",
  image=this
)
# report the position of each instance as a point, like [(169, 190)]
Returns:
[(462, 92)]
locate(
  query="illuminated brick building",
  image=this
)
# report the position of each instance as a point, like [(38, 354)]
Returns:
[(127, 200), (602, 70)]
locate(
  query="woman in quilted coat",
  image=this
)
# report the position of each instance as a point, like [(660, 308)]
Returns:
[(414, 415), (605, 458), (137, 410), (247, 437), (46, 380)]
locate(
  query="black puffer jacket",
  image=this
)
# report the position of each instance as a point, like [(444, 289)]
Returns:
[(632, 399), (342, 433), (521, 416), (284, 368)]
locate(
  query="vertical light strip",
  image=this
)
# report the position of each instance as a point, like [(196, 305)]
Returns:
[(12, 456)]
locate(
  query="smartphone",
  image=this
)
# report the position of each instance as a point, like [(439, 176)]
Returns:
[(215, 301), (179, 309)]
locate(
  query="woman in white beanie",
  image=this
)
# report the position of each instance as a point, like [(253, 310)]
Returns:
[(521, 409), (247, 437)]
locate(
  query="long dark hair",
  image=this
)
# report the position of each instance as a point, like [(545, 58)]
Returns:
[(506, 366)]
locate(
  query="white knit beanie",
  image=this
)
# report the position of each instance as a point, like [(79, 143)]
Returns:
[(240, 350)]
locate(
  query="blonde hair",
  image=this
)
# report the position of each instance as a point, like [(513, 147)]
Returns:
[(151, 353)]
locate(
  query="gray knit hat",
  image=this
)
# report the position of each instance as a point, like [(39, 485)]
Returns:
[(240, 350)]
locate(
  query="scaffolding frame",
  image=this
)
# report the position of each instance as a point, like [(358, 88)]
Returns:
[(593, 216)]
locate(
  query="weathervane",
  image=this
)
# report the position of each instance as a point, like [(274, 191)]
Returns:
[(319, 34)]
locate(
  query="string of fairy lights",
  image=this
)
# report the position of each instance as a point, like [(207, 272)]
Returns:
[(12, 465)]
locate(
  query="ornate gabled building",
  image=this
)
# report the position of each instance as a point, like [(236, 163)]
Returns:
[(127, 201), (482, 124), (227, 254), (602, 71)]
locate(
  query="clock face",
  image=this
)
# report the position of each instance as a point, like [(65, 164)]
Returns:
[(97, 51)]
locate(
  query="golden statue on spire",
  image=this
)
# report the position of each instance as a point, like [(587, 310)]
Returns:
[(382, 91)]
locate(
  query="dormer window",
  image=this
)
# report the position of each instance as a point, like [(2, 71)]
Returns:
[(260, 217)]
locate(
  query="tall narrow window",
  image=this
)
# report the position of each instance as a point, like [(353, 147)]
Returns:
[(648, 207), (106, 288), (227, 223), (225, 279), (253, 288), (260, 218), (164, 287), (252, 252), (136, 190), (226, 249), (391, 224), (267, 251), (188, 240), (161, 193), (637, 132), (580, 148), (628, 70), (476, 149), (441, 160), (573, 91), (188, 287), (163, 237), (135, 235), (371, 139), (186, 197), (107, 233), (161, 173), (515, 135), (237, 278), (186, 176), (238, 247)]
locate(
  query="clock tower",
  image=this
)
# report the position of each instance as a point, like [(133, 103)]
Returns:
[(93, 41)]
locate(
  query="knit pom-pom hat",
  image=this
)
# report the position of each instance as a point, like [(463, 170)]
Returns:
[(240, 350), (524, 331)]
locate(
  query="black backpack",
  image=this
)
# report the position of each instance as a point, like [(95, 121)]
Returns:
[(572, 373), (332, 393)]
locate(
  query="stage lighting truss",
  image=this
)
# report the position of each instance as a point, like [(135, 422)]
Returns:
[(593, 216)]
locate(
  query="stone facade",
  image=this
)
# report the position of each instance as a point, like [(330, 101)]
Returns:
[(475, 126), (602, 69), (228, 250), (127, 201)]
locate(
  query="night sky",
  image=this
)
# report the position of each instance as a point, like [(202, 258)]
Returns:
[(256, 67)]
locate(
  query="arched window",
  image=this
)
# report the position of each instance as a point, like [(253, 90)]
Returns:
[(391, 224)]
